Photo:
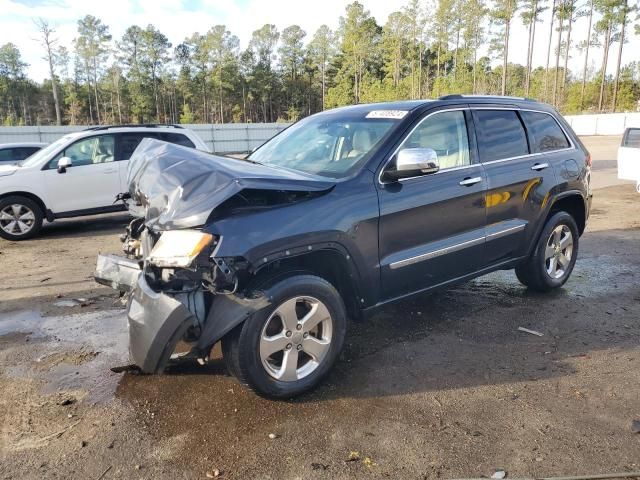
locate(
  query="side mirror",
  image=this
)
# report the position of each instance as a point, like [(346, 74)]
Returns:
[(63, 164), (412, 162)]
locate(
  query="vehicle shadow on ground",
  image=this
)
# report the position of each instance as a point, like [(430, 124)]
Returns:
[(467, 336), (86, 226)]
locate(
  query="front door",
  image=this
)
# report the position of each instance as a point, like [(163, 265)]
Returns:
[(432, 226), (92, 181)]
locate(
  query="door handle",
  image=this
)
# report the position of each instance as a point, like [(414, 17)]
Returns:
[(467, 182), (540, 166), (109, 171)]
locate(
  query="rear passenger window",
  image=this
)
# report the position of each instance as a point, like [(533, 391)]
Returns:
[(177, 138), (130, 141), (544, 132), (500, 134), (632, 138)]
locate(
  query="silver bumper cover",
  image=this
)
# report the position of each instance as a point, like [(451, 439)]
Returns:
[(117, 272)]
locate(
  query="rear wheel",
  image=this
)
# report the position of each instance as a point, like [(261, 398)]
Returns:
[(286, 348), (554, 256), (20, 218)]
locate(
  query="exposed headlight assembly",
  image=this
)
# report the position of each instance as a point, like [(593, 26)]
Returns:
[(178, 248)]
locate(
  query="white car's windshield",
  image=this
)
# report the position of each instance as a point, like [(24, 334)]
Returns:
[(40, 155), (332, 145)]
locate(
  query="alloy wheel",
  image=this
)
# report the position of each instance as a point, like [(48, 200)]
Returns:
[(296, 338), (558, 252), (17, 219)]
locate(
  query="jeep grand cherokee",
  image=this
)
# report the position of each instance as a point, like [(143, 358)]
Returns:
[(339, 214)]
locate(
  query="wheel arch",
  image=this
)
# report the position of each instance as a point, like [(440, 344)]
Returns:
[(333, 263), (30, 196), (572, 202)]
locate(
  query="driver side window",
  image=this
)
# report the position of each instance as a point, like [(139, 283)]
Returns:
[(88, 151), (446, 133)]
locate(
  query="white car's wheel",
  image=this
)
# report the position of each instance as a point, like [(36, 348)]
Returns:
[(20, 218)]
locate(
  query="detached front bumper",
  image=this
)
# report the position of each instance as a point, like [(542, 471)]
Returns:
[(157, 321), (117, 272), (156, 324)]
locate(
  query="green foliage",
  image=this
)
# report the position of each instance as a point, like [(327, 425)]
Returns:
[(187, 115), (423, 50)]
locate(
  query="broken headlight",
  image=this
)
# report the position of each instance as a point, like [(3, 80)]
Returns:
[(178, 248)]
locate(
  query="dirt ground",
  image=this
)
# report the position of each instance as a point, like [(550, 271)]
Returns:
[(440, 386)]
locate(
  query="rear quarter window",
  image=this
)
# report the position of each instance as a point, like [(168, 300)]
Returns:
[(177, 138), (631, 138), (500, 134), (545, 134)]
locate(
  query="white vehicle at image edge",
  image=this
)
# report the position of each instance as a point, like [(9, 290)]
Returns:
[(78, 174), (629, 156), (16, 152)]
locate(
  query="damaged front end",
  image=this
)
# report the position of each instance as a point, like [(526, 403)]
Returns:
[(176, 284)]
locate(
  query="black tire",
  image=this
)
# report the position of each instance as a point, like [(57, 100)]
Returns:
[(535, 271), (26, 204), (241, 347)]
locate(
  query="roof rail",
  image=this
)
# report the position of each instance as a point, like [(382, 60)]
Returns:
[(137, 125), (458, 96)]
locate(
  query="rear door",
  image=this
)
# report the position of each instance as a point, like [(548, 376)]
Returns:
[(92, 181), (126, 145), (519, 178), (431, 227), (129, 141)]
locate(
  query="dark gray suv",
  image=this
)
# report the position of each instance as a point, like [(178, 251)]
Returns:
[(341, 213)]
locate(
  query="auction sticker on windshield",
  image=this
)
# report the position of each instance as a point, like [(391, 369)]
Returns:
[(397, 114)]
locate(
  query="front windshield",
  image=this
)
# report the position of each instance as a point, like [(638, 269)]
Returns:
[(44, 153), (331, 144)]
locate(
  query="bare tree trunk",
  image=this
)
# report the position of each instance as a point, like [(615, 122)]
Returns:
[(455, 58), (617, 81), (95, 88), (420, 70), (567, 47), (505, 55), (555, 81), (88, 73), (533, 40), (546, 73), (527, 78), (220, 93), (438, 65), (324, 64), (48, 42), (605, 58), (119, 105), (586, 57), (475, 62)]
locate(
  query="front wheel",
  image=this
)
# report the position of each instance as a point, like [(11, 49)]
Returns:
[(20, 218), (554, 256), (287, 348)]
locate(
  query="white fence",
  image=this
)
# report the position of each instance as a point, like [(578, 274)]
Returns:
[(244, 137), (603, 123), (220, 138)]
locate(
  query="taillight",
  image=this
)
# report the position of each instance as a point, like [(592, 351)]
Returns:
[(588, 160)]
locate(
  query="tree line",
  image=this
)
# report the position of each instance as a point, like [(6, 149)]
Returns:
[(422, 51)]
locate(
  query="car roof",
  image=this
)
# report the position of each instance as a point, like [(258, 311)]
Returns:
[(410, 105), (22, 144)]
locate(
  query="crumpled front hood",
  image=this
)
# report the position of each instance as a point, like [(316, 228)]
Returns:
[(9, 169), (178, 187)]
